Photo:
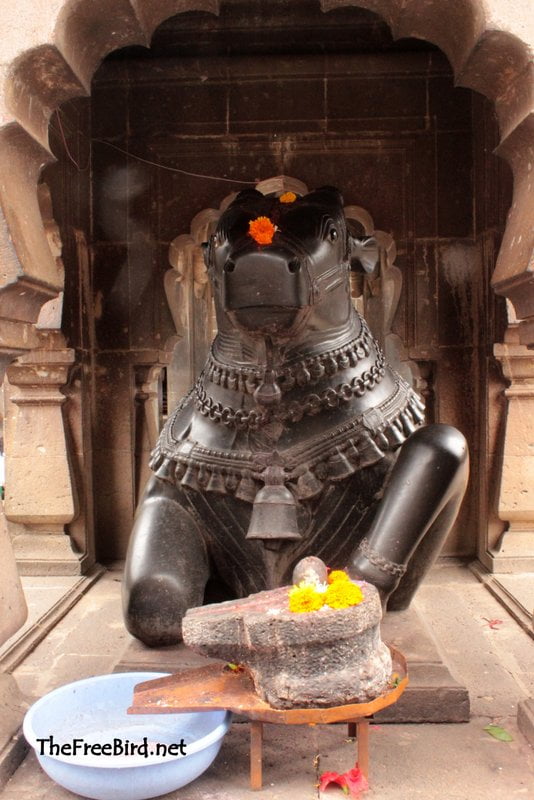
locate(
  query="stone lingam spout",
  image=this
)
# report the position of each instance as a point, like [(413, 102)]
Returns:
[(298, 438)]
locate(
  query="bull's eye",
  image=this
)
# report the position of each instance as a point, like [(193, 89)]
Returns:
[(332, 234), (229, 266)]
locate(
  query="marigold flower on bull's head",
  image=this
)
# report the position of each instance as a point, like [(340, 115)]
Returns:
[(287, 197), (305, 598), (343, 594), (262, 230)]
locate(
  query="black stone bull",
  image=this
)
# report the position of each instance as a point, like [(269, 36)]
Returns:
[(298, 438)]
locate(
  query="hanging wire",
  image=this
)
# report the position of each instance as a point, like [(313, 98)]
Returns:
[(173, 169), (66, 146), (141, 159)]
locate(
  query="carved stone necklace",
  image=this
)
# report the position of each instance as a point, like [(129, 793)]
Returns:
[(305, 371), (291, 412), (330, 456)]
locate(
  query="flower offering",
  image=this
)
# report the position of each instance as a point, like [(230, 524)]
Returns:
[(312, 595)]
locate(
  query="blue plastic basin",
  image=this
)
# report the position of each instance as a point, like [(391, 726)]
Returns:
[(94, 711)]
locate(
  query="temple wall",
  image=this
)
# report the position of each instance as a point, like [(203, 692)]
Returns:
[(389, 129), (386, 126)]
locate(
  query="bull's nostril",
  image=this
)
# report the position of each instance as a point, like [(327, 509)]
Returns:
[(229, 266), (294, 265)]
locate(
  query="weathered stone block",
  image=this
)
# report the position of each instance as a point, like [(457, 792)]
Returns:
[(322, 658)]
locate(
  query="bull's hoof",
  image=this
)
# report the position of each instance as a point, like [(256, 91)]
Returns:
[(153, 612)]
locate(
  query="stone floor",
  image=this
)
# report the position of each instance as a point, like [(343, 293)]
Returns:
[(484, 647)]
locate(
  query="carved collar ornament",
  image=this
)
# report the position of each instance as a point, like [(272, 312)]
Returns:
[(303, 468), (308, 370)]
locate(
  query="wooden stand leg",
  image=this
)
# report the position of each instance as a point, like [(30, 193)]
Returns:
[(256, 745), (351, 730), (363, 746)]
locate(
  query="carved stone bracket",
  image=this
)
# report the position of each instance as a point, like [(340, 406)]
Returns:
[(515, 551), (150, 409), (377, 298), (40, 493), (189, 298)]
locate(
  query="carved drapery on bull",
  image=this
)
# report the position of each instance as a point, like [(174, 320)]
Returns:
[(297, 438)]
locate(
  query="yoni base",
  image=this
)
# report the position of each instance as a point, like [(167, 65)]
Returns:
[(432, 695)]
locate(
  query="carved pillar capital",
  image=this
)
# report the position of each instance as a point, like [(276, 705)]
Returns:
[(39, 374), (517, 363), (516, 497), (40, 497)]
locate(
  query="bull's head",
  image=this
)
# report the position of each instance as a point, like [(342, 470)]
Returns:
[(277, 264)]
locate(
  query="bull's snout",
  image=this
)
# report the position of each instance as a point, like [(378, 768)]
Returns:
[(265, 290)]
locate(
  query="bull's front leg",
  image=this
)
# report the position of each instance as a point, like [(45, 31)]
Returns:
[(166, 567), (418, 507)]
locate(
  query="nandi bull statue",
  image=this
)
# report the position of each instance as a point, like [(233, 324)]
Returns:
[(298, 439)]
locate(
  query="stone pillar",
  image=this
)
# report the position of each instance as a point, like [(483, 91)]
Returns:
[(13, 612), (40, 496), (515, 551)]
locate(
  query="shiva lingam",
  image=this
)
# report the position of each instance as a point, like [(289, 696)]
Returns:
[(316, 645)]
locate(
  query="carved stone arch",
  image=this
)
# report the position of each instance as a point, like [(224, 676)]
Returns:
[(377, 296), (63, 50), (490, 52), (189, 297), (53, 57), (485, 51)]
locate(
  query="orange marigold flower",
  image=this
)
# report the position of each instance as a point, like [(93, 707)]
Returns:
[(262, 230), (287, 197), (338, 575), (342, 594), (305, 598)]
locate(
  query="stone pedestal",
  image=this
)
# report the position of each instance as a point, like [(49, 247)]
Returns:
[(40, 494), (515, 551)]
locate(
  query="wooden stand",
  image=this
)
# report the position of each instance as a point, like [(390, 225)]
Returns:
[(216, 686)]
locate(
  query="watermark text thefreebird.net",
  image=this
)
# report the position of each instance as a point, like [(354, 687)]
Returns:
[(117, 747)]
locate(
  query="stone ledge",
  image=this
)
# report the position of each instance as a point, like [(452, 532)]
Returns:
[(12, 756), (19, 646), (525, 719), (495, 584), (432, 696), (13, 747)]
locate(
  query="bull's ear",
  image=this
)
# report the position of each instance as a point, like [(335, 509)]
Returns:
[(363, 254)]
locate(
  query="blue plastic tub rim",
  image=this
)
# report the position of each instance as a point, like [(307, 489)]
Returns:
[(199, 744)]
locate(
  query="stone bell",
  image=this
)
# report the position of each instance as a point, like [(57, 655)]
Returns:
[(216, 482), (339, 466), (274, 512)]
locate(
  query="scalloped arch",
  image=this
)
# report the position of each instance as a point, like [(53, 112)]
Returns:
[(486, 53)]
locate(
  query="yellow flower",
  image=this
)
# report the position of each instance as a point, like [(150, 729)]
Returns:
[(337, 575), (342, 594), (305, 598), (262, 230), (288, 197)]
